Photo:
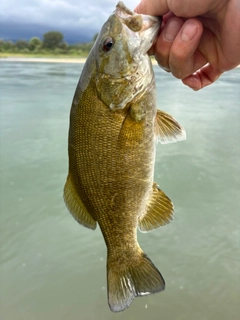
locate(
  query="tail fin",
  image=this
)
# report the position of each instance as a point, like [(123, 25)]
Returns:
[(127, 282)]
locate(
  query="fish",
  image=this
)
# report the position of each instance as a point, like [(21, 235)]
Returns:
[(113, 132)]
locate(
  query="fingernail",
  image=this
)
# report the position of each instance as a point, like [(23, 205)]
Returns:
[(189, 31), (171, 30)]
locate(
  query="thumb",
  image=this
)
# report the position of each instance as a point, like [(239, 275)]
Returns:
[(154, 7), (179, 8)]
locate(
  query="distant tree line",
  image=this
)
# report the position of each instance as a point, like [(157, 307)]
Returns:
[(53, 42)]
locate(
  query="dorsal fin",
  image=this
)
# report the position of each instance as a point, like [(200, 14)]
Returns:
[(167, 129), (75, 205)]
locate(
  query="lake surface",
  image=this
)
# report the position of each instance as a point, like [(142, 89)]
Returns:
[(54, 269)]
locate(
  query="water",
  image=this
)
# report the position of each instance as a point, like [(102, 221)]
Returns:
[(54, 269)]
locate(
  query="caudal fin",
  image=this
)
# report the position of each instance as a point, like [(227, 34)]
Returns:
[(127, 282)]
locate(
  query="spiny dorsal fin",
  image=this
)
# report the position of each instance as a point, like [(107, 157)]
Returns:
[(130, 280), (167, 129), (159, 211), (75, 205)]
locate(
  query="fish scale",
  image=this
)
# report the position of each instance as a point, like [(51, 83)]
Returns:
[(114, 126)]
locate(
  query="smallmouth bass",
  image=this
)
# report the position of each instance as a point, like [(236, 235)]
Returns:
[(114, 125)]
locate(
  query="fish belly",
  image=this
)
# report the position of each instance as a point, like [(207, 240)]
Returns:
[(111, 161)]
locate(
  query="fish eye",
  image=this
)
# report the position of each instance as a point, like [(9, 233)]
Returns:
[(107, 44)]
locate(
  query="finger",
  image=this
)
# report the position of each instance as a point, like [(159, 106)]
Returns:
[(165, 40), (203, 77), (184, 9), (167, 16), (154, 7), (184, 57)]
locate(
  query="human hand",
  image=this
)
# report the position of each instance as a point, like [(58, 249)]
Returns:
[(199, 40)]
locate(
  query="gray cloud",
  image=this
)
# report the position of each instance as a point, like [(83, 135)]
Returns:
[(78, 20)]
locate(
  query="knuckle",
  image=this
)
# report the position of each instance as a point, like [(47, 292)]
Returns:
[(162, 55), (180, 61), (163, 63), (179, 68)]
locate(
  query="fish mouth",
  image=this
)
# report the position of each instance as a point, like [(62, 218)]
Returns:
[(125, 13), (146, 26)]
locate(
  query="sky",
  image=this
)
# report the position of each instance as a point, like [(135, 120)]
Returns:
[(78, 20)]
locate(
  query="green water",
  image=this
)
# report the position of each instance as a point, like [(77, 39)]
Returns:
[(54, 269)]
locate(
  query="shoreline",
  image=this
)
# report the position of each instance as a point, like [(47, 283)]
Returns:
[(52, 60), (43, 59), (49, 60)]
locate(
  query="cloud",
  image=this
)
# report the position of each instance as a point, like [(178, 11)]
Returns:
[(78, 20)]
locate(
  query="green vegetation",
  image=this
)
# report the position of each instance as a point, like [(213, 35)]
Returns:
[(52, 45)]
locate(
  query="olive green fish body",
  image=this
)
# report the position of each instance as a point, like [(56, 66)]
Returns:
[(106, 152), (114, 124)]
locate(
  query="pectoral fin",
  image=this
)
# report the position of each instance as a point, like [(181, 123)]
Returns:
[(159, 211), (75, 205), (167, 129)]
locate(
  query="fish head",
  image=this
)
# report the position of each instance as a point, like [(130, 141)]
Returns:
[(123, 67)]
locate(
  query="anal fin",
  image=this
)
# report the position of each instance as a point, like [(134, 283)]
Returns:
[(75, 205), (159, 211), (167, 129)]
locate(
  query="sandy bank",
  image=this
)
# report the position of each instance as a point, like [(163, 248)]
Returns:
[(50, 60)]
